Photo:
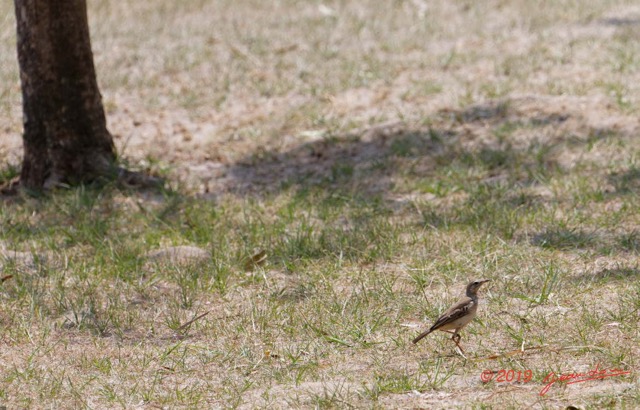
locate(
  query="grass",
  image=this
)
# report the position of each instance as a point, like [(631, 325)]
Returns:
[(381, 156)]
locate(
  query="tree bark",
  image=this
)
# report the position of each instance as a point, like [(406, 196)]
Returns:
[(65, 139)]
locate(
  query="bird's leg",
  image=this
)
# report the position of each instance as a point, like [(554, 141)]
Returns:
[(456, 339)]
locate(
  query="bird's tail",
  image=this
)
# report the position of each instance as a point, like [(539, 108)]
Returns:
[(421, 335)]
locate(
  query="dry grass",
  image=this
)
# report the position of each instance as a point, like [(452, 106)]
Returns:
[(382, 153)]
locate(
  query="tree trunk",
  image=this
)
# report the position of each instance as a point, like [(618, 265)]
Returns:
[(65, 139)]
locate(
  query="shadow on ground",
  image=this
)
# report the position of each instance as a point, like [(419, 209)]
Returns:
[(512, 141), (620, 21), (499, 139), (626, 182), (624, 274), (604, 242)]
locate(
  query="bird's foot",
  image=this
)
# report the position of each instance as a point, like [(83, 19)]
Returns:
[(461, 353)]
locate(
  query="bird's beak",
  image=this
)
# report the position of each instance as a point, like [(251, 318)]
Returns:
[(486, 280)]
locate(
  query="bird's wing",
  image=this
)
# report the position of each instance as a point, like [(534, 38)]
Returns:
[(455, 312)]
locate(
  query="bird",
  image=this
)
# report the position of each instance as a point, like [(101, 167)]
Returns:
[(458, 315)]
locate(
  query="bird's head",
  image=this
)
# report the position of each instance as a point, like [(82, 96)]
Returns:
[(473, 287)]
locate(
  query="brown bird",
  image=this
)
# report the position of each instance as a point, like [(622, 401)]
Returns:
[(457, 316)]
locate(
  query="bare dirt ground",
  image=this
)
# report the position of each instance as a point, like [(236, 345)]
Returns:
[(240, 100)]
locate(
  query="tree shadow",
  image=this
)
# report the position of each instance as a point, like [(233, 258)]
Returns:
[(603, 242), (625, 182), (566, 239), (11, 188), (366, 161), (626, 274), (331, 161), (620, 21)]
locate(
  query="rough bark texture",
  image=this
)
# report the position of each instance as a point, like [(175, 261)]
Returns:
[(65, 134)]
